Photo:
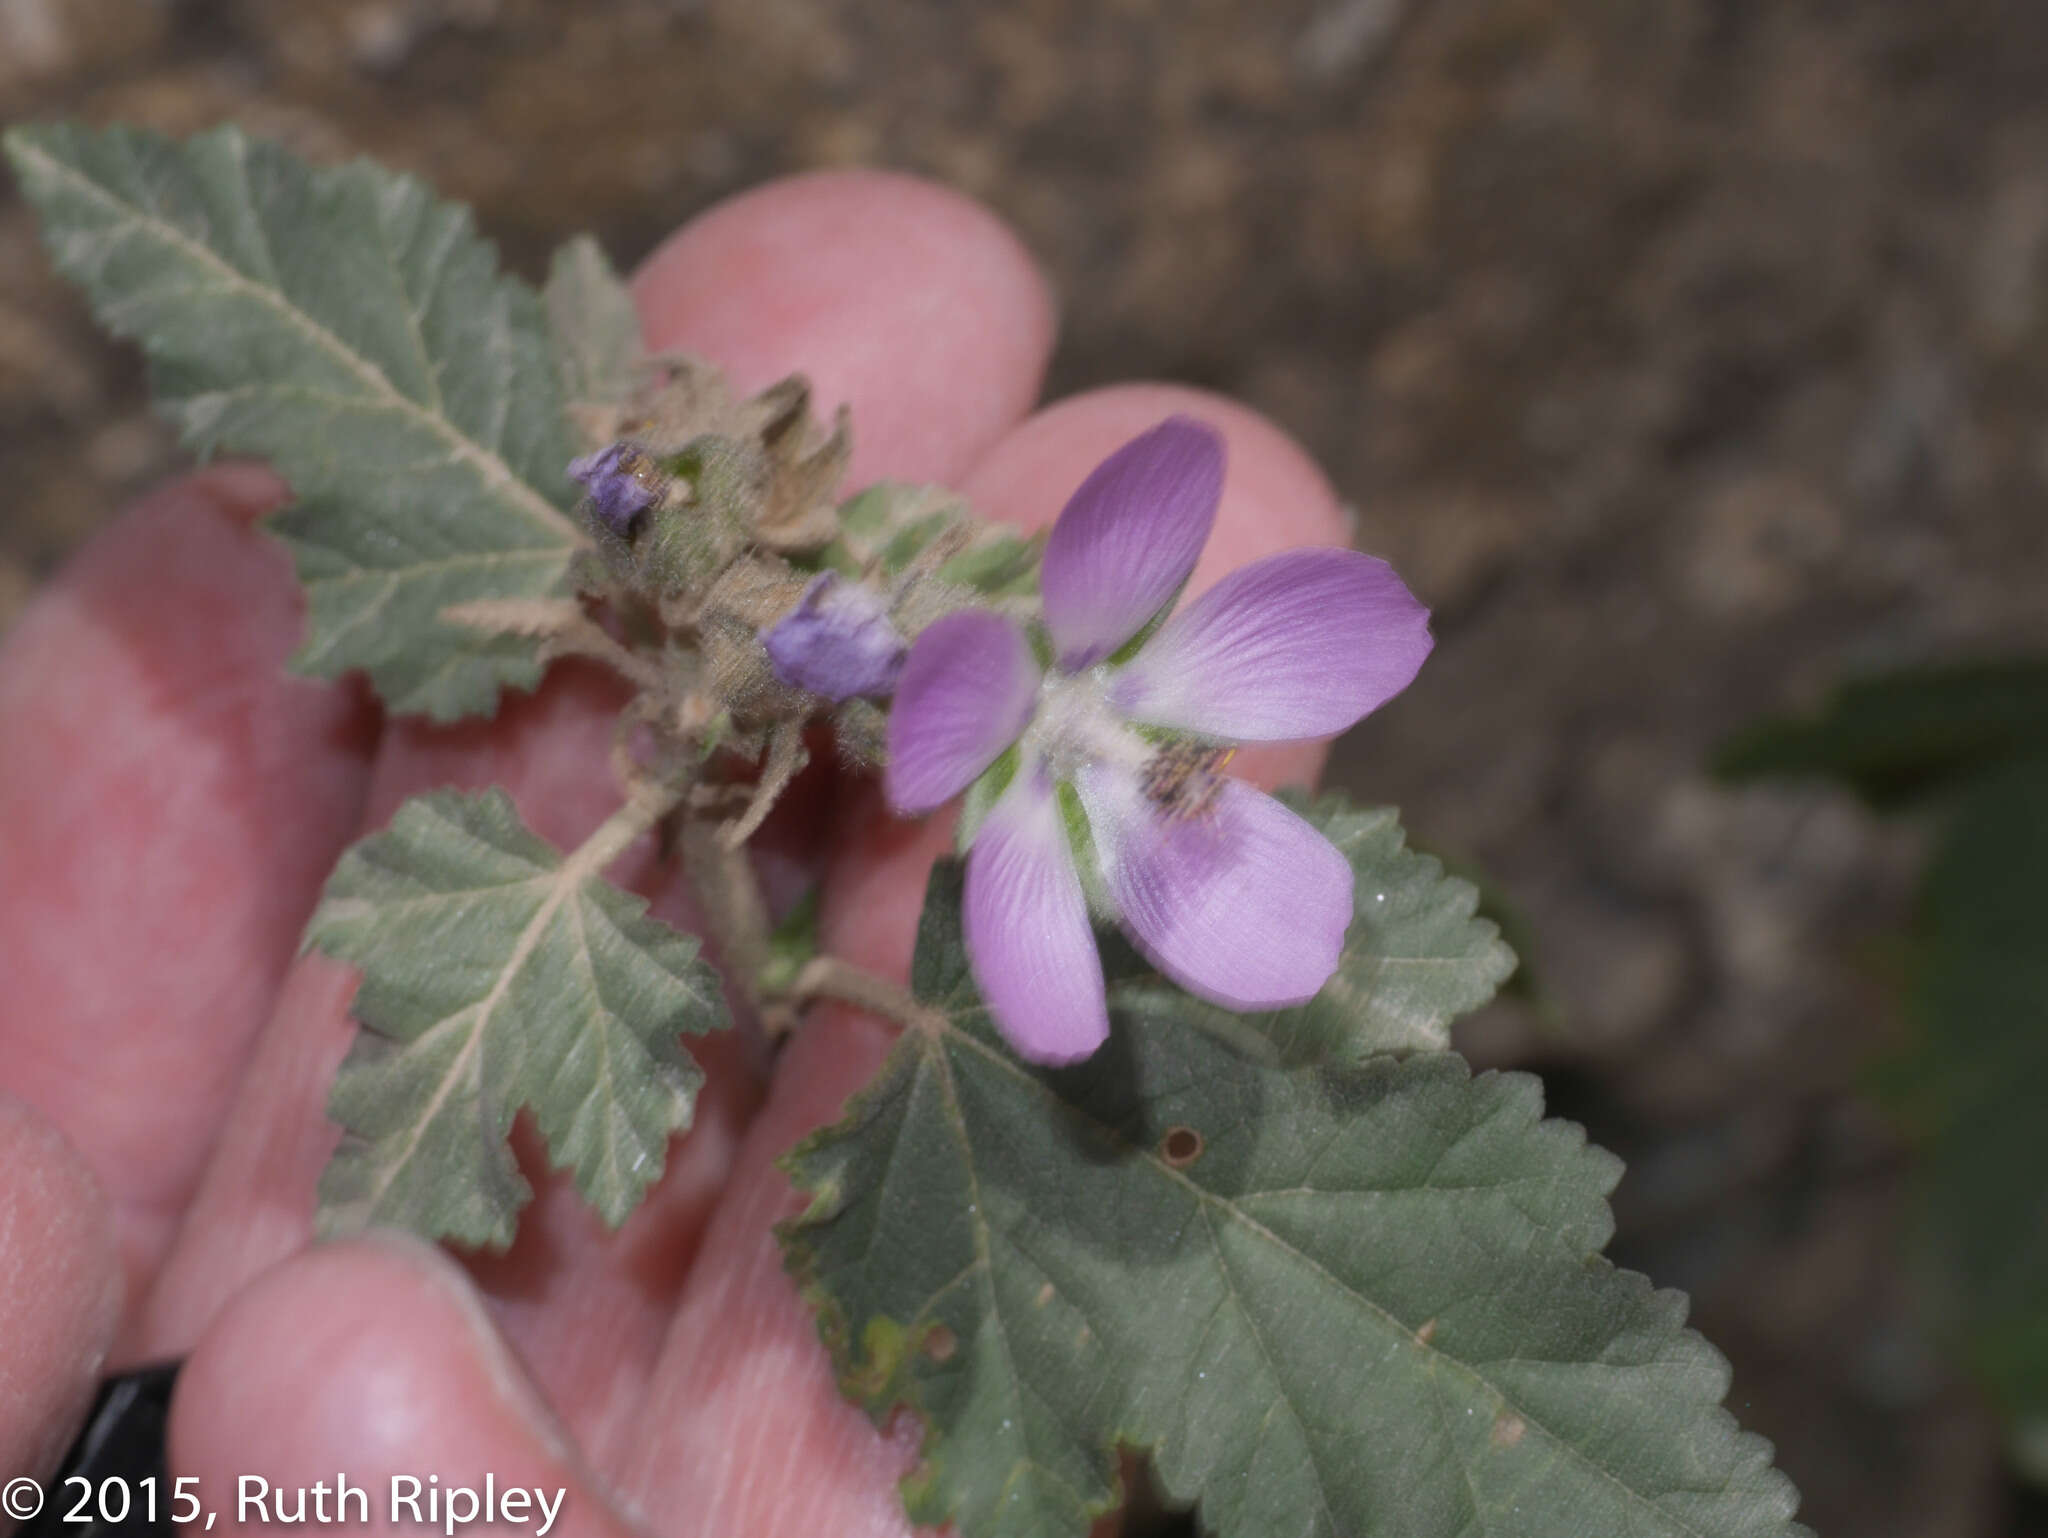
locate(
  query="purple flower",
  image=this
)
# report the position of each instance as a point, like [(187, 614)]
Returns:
[(1224, 889), (837, 641), (622, 482)]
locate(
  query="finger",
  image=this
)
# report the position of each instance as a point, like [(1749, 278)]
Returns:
[(586, 1309), (170, 799), (256, 1204), (744, 1430), (60, 1290), (361, 1375), (912, 305), (743, 1378)]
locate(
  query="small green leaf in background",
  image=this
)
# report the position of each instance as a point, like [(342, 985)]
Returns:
[(357, 334), (1895, 737), (1973, 737), (497, 975), (594, 327), (1361, 1301), (1972, 1086), (1415, 958)]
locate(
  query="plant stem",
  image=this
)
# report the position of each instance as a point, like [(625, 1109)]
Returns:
[(584, 637), (735, 910), (786, 758), (646, 804), (827, 977)]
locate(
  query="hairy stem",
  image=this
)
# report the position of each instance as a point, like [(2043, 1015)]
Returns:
[(586, 638), (786, 759), (646, 804), (827, 977), (735, 910)]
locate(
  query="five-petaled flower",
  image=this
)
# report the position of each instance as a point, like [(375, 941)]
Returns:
[(1117, 747)]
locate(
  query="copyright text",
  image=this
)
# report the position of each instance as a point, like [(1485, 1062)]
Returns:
[(451, 1508)]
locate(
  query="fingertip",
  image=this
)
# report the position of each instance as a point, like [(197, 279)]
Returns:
[(915, 306), (1275, 496), (244, 489), (375, 1357), (60, 1287)]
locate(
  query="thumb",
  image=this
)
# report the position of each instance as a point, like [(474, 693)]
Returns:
[(60, 1292), (362, 1384)]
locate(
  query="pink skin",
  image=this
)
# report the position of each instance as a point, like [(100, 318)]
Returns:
[(175, 1055)]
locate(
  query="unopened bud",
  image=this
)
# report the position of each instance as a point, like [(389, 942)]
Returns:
[(837, 642), (623, 483)]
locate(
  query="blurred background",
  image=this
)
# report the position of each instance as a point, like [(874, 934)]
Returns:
[(1685, 355)]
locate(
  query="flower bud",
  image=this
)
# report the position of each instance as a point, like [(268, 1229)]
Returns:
[(837, 642), (622, 481)]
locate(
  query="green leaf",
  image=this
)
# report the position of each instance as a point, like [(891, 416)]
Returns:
[(792, 944), (890, 524), (1898, 736), (1362, 1300), (1972, 1083), (357, 334), (497, 975), (594, 327), (1415, 958)]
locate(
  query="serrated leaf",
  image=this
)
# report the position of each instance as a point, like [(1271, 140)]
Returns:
[(1361, 1301), (1972, 1083), (594, 327), (1901, 735), (1415, 958), (357, 334), (498, 975)]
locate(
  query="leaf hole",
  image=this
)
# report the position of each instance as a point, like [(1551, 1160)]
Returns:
[(1508, 1428), (1180, 1147), (940, 1343)]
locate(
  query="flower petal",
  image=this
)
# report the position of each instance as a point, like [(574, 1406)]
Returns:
[(967, 691), (1027, 929), (1244, 903), (1128, 538), (1300, 644)]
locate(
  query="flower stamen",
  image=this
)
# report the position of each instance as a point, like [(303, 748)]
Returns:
[(1184, 778)]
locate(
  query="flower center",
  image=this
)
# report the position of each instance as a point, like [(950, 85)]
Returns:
[(1075, 726)]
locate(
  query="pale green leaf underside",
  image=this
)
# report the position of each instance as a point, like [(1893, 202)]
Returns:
[(1372, 1306), (1415, 957), (356, 333), (593, 325), (498, 975)]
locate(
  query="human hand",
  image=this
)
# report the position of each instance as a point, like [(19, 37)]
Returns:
[(170, 802)]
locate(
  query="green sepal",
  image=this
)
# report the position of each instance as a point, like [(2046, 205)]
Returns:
[(983, 794)]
